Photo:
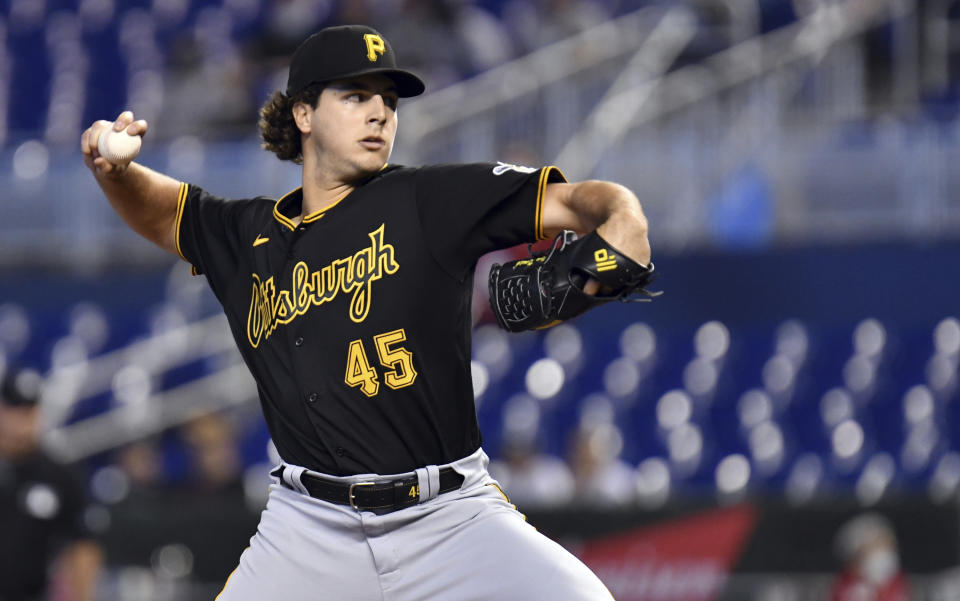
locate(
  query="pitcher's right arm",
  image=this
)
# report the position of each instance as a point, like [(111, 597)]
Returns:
[(145, 199)]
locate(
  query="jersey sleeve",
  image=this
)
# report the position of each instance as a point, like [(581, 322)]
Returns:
[(209, 229), (469, 210)]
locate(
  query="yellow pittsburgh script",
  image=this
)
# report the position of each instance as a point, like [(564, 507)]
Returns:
[(354, 274)]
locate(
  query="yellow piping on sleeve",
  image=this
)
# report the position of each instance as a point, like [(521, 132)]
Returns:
[(541, 195), (181, 201)]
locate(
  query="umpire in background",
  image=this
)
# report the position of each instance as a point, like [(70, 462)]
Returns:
[(46, 549)]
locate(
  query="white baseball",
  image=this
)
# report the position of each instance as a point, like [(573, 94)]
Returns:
[(118, 147)]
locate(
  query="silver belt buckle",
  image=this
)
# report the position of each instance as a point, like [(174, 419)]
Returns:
[(350, 493)]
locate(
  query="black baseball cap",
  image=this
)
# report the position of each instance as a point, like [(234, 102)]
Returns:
[(20, 387), (348, 51)]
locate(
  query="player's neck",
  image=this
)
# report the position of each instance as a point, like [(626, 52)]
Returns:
[(320, 190), (318, 197)]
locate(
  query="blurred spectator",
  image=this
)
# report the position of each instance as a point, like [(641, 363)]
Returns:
[(536, 23), (531, 478), (289, 21), (215, 454), (209, 81), (602, 478), (143, 465), (868, 548), (483, 35), (420, 28), (42, 508), (447, 40)]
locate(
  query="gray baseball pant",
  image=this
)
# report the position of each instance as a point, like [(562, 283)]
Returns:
[(469, 544)]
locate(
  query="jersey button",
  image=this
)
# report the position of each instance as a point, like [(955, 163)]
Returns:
[(312, 397), (340, 452), (298, 341)]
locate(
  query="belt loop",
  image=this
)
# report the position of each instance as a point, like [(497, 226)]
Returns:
[(428, 479), (433, 472), (291, 475)]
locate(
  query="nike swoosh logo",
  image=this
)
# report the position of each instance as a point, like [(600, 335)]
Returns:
[(260, 241)]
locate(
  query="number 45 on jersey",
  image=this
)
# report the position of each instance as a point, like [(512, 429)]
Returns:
[(397, 364)]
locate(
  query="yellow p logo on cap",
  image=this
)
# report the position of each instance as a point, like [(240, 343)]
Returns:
[(375, 46)]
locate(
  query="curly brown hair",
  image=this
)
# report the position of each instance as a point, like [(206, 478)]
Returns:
[(277, 127)]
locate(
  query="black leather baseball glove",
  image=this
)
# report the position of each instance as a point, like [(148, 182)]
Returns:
[(547, 288)]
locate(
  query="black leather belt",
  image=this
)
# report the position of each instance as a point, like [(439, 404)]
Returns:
[(379, 497)]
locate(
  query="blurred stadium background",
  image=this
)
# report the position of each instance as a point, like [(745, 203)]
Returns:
[(796, 160)]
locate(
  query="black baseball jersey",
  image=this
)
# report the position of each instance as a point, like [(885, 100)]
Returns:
[(42, 507), (356, 323)]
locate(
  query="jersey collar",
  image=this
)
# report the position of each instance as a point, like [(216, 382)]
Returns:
[(287, 207), (290, 205)]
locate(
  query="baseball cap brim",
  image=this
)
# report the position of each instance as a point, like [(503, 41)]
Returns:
[(407, 83)]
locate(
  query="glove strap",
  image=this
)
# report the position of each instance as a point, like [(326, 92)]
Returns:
[(598, 259)]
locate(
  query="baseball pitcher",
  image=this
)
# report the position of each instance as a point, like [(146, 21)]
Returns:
[(349, 299)]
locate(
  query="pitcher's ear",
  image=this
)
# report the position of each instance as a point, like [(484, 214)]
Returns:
[(301, 116)]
